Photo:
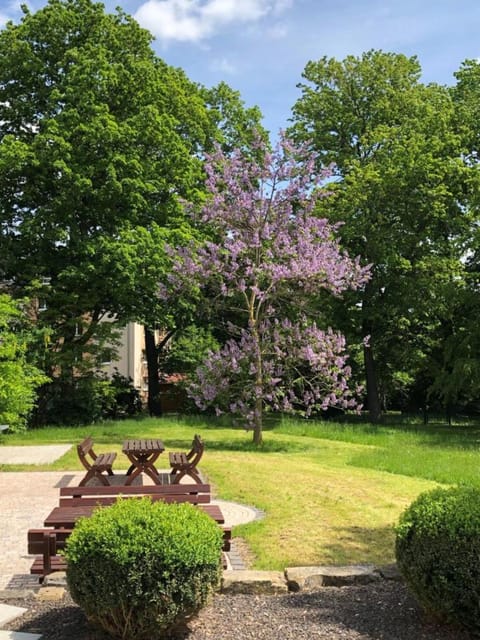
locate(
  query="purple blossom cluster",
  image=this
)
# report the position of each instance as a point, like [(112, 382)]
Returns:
[(301, 369), (268, 235), (268, 244)]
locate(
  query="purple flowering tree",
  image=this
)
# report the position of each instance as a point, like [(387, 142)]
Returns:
[(270, 253)]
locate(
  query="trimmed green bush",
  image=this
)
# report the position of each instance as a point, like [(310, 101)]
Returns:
[(438, 553), (140, 569)]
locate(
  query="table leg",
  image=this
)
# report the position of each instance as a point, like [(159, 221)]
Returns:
[(142, 463), (149, 467), (131, 476)]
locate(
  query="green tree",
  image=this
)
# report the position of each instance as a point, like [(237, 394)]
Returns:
[(99, 139), (401, 189), (234, 125), (19, 379), (455, 377)]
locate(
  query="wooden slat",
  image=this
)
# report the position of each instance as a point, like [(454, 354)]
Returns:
[(108, 500), (173, 489), (58, 563), (54, 538), (143, 446), (66, 517)]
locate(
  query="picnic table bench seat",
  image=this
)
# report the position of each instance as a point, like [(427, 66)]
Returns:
[(78, 502), (105, 495), (95, 464), (186, 464), (45, 545), (75, 502), (82, 500)]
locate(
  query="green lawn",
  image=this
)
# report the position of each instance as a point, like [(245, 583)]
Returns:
[(331, 493)]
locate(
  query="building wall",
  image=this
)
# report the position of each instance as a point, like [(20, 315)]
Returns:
[(130, 361)]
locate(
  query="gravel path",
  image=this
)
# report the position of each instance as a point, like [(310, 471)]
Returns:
[(378, 611)]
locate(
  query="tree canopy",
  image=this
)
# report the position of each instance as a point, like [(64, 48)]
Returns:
[(267, 254), (401, 191), (99, 138)]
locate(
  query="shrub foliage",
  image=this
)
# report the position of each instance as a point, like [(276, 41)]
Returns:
[(438, 553), (140, 569), (19, 379)]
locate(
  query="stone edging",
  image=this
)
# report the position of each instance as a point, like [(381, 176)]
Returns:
[(234, 582), (295, 579)]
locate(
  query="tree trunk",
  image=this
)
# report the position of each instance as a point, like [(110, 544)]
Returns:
[(258, 409), (154, 401), (373, 398), (258, 424)]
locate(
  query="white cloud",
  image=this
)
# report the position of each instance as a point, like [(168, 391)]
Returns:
[(226, 11), (195, 20), (282, 5), (224, 66), (277, 31)]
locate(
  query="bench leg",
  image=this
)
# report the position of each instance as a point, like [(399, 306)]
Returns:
[(92, 473), (102, 478), (178, 475), (85, 479)]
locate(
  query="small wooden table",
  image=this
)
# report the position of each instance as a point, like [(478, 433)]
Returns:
[(143, 454)]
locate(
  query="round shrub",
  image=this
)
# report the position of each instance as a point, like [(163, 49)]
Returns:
[(438, 553), (140, 569)]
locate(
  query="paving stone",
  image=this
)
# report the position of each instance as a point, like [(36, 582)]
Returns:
[(55, 579), (304, 578), (50, 593), (253, 582), (18, 581), (7, 613), (234, 558), (18, 635), (33, 454)]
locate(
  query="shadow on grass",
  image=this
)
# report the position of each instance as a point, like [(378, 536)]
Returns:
[(431, 435), (361, 545), (247, 446)]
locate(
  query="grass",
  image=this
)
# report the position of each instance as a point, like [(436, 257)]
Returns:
[(331, 493)]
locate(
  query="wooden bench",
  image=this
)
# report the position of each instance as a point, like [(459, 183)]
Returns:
[(79, 501), (95, 464), (186, 464), (105, 495), (46, 544), (76, 502)]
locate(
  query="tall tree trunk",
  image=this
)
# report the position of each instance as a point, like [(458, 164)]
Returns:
[(154, 400), (258, 422), (373, 398), (258, 409)]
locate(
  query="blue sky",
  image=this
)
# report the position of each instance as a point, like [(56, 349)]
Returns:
[(260, 47)]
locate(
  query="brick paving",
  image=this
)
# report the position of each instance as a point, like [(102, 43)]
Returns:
[(26, 498)]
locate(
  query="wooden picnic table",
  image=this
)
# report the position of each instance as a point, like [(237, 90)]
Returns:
[(66, 517), (142, 455)]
